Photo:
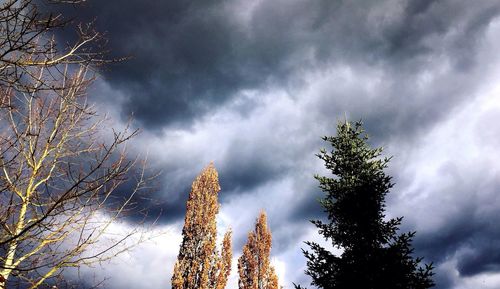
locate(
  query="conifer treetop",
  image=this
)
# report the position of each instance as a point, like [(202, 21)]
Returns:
[(375, 255)]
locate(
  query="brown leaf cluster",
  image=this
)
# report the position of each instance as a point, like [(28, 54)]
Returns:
[(199, 264), (254, 266)]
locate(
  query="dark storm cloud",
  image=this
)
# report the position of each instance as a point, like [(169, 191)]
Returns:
[(309, 207), (234, 180), (247, 166), (466, 210), (240, 171), (472, 242), (470, 238), (186, 58), (191, 57), (402, 39), (485, 260)]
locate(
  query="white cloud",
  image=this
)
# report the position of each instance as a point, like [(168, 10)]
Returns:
[(148, 264), (451, 145)]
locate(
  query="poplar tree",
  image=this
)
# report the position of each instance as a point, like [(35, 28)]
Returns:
[(199, 264), (374, 255), (254, 267)]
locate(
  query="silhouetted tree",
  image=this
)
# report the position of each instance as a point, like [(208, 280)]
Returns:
[(66, 178), (61, 183), (28, 43), (253, 266), (199, 265), (373, 254)]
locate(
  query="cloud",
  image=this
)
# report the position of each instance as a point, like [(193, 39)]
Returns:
[(253, 85), (148, 264), (189, 59), (451, 196)]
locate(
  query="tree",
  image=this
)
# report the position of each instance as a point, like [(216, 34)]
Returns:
[(65, 178), (27, 43), (254, 267), (59, 182), (199, 265), (374, 254)]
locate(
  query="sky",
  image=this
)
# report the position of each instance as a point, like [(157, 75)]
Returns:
[(253, 85)]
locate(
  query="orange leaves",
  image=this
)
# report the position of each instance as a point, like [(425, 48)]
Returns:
[(199, 265), (254, 265), (224, 262)]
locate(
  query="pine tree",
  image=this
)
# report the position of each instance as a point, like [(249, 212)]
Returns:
[(199, 265), (374, 254), (254, 266)]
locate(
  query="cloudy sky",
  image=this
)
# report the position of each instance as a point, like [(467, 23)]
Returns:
[(252, 85)]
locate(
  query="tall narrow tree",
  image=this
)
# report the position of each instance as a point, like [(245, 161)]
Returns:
[(253, 266), (199, 265), (374, 254)]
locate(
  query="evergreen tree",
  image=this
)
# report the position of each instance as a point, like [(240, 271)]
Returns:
[(199, 265), (373, 254), (254, 265)]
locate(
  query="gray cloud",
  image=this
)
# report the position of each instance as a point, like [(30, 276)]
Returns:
[(469, 234), (191, 58), (252, 85)]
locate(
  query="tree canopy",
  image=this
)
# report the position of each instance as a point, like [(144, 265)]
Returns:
[(254, 266), (199, 264), (374, 255)]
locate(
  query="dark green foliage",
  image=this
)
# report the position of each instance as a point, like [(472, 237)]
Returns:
[(374, 254)]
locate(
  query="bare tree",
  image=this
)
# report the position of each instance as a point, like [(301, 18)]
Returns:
[(59, 182), (27, 42), (65, 178)]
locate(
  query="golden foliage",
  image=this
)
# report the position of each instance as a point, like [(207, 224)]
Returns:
[(199, 264), (254, 266)]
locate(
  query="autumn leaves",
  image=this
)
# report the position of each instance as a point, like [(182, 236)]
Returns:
[(253, 266), (199, 264)]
